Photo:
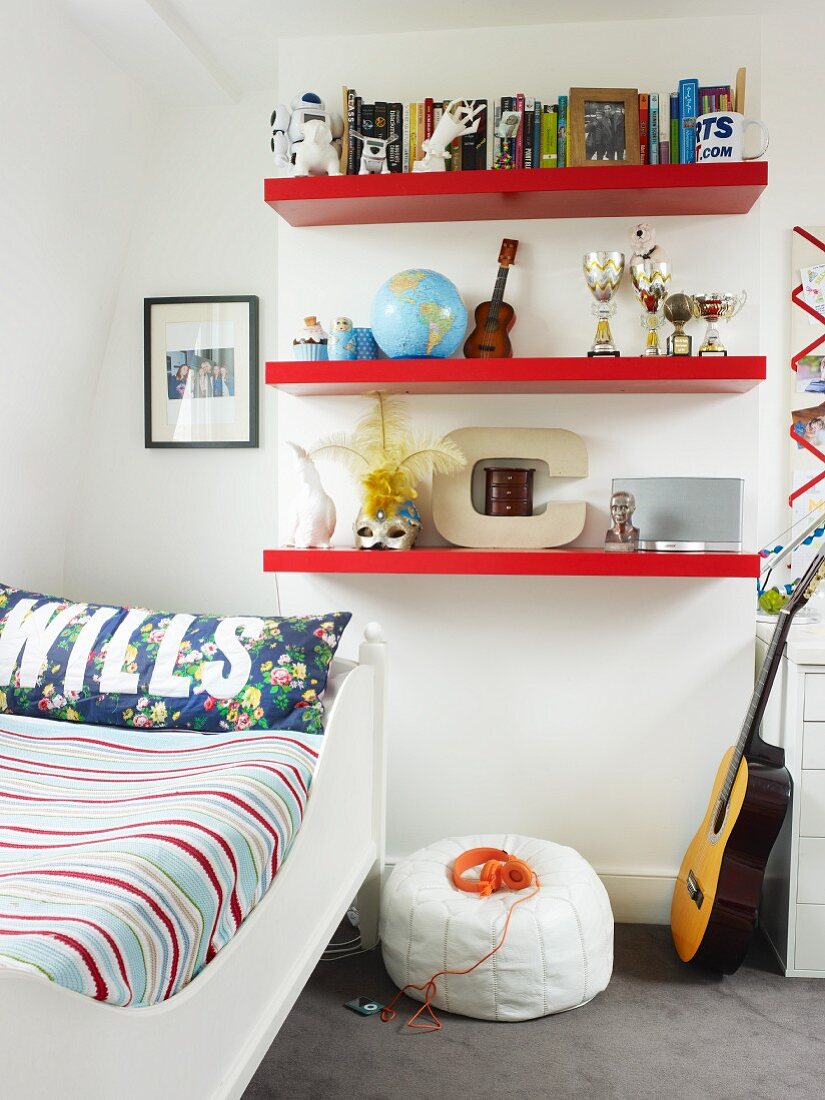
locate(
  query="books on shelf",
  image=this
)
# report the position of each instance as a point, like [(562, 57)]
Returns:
[(539, 139)]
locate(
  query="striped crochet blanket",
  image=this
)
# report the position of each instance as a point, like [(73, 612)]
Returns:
[(129, 859)]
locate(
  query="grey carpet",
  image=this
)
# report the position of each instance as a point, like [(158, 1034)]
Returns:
[(661, 1029)]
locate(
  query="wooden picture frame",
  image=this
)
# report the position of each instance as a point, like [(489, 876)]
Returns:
[(201, 371), (593, 140)]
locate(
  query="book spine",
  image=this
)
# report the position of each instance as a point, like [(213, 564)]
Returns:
[(428, 117), (342, 160), (406, 164), (395, 127), (508, 103), (352, 125), (527, 127), (644, 123), (419, 128), (381, 119), (664, 151), (653, 139), (496, 135), (519, 155), (674, 127), (561, 143), (481, 137), (414, 148), (537, 134), (688, 94), (368, 119), (549, 135), (468, 152)]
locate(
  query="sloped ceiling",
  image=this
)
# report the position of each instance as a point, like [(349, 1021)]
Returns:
[(212, 51)]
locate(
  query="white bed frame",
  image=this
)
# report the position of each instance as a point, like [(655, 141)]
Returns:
[(206, 1042)]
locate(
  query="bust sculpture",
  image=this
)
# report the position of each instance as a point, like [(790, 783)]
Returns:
[(622, 535)]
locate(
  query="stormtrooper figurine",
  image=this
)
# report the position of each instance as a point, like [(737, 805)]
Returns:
[(287, 125)]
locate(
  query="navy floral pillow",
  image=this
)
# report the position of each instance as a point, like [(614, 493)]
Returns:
[(119, 666)]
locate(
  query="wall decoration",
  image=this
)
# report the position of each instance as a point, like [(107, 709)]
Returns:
[(389, 462), (288, 128), (603, 126), (650, 273), (314, 509), (341, 340), (603, 272), (458, 521), (460, 117), (200, 358), (316, 155), (807, 352), (622, 535), (311, 342), (418, 314)]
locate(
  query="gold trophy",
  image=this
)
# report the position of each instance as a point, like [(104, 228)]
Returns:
[(679, 310), (603, 272), (712, 308), (651, 281)]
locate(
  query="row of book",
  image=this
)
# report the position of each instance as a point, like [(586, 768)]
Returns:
[(523, 132)]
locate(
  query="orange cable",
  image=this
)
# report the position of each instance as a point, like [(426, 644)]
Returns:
[(429, 987)]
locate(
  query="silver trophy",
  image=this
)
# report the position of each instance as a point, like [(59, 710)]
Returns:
[(651, 282), (603, 272), (712, 308)]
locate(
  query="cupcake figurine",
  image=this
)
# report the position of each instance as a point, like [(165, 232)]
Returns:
[(311, 341), (341, 339)]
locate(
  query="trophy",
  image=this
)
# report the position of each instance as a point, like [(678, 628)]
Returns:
[(712, 308), (679, 310), (651, 281), (603, 272)]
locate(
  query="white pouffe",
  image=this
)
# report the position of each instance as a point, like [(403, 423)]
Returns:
[(559, 948)]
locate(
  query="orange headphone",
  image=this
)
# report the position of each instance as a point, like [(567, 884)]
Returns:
[(500, 869)]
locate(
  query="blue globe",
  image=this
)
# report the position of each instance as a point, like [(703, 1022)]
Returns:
[(418, 314)]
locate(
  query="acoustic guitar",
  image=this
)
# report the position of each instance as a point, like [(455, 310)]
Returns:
[(494, 319), (716, 899)]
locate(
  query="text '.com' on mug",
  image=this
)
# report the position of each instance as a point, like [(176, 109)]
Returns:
[(721, 137)]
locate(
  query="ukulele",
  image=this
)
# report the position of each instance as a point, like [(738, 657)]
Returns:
[(716, 899), (494, 319)]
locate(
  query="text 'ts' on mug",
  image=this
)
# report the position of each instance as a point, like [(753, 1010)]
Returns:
[(721, 137)]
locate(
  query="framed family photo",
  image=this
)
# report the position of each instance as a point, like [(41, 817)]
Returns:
[(603, 126), (200, 362)]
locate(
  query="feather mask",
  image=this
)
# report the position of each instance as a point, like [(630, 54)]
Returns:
[(388, 459)]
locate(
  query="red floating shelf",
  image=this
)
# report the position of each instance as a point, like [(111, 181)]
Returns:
[(697, 374), (451, 560), (620, 190)]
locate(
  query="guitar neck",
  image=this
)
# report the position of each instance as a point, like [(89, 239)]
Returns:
[(767, 674), (498, 293)]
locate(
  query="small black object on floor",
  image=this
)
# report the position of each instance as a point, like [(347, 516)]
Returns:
[(660, 1030)]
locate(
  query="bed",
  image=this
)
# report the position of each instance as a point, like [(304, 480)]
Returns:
[(206, 1041)]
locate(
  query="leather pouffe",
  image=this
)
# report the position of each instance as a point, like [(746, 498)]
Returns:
[(559, 949)]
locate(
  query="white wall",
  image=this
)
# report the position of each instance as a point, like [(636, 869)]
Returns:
[(190, 525), (75, 137), (593, 712), (589, 711)]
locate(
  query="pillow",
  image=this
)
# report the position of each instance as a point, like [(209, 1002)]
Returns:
[(120, 666)]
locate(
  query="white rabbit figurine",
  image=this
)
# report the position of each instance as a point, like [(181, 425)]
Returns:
[(314, 509)]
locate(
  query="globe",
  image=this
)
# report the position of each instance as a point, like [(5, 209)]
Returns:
[(418, 314)]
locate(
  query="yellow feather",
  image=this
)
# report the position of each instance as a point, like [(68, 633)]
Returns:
[(386, 456)]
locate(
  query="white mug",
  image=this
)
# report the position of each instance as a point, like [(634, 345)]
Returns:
[(720, 136)]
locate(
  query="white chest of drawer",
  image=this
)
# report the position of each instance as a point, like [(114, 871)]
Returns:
[(793, 901)]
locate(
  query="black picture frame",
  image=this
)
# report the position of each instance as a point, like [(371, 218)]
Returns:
[(243, 431)]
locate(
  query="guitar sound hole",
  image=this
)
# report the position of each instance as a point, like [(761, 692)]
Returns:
[(487, 347), (719, 818)]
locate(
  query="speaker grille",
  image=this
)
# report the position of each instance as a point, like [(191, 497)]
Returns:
[(687, 509)]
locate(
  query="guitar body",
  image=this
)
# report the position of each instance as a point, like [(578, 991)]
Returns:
[(490, 340), (726, 862)]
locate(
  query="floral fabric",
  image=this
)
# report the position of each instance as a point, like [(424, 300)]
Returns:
[(147, 669)]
